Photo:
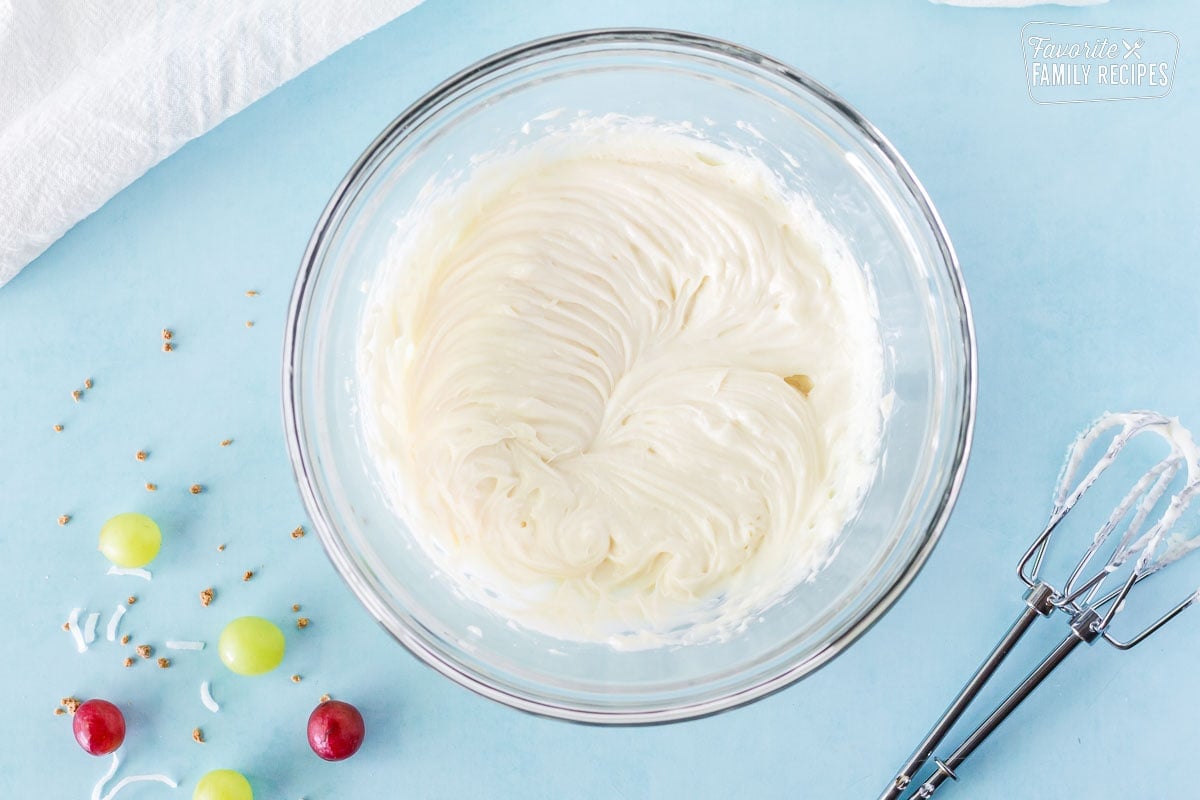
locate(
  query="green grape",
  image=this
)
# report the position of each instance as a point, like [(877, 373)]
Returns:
[(251, 646), (130, 540), (223, 784)]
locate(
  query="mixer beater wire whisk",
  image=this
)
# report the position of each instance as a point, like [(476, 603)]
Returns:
[(1144, 548)]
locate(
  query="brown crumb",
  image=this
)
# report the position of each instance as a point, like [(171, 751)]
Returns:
[(145, 650), (128, 661), (324, 699), (206, 596), (87, 383), (76, 394), (220, 548), (130, 600), (168, 334), (151, 487), (58, 712), (196, 488), (140, 455), (63, 519), (295, 679), (66, 626), (168, 347), (226, 442), (163, 663), (251, 293), (72, 704), (248, 574), (58, 428), (197, 736), (298, 533), (302, 623), (295, 606), (249, 324), (801, 383), (125, 639), (524, 524)]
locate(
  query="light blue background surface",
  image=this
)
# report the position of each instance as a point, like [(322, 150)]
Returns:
[(1077, 230)]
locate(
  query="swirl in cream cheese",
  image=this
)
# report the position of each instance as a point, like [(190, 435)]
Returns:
[(622, 385)]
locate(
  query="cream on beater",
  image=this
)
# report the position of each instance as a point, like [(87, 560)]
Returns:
[(622, 386)]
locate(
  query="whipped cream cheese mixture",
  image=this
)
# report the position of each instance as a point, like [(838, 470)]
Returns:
[(622, 386)]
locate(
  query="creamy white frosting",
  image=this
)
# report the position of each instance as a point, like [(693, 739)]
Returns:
[(622, 386), (1154, 543)]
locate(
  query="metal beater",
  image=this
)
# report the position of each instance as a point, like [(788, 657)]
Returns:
[(1140, 552)]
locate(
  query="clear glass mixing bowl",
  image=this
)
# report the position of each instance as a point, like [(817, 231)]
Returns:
[(823, 149)]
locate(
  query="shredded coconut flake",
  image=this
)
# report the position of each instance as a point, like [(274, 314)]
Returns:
[(99, 787), (111, 633), (121, 784), (73, 624), (207, 698), (178, 645), (137, 572), (89, 627)]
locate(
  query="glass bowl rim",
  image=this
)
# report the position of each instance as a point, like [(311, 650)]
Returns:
[(293, 408)]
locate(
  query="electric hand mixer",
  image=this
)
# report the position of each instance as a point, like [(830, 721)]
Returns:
[(1140, 552)]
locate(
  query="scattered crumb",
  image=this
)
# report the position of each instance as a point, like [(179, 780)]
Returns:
[(324, 699), (76, 394), (125, 639), (168, 347), (128, 661), (302, 623), (196, 488), (168, 334), (72, 704), (151, 487), (140, 455), (87, 383), (220, 548), (295, 606), (249, 324), (145, 650), (66, 626), (248, 574), (130, 600), (298, 533), (524, 524), (295, 679), (197, 736), (206, 596), (58, 712), (251, 293), (58, 428), (163, 663), (226, 442), (63, 519)]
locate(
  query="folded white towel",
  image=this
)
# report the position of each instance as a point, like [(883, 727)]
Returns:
[(95, 92)]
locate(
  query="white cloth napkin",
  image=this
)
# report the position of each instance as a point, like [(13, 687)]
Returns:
[(95, 92)]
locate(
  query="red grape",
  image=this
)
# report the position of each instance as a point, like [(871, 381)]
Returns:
[(335, 730), (99, 727)]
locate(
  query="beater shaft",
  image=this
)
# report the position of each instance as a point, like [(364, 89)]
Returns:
[(1037, 604), (945, 769)]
